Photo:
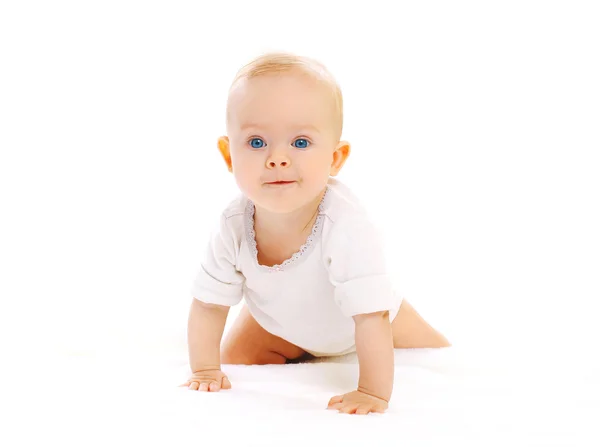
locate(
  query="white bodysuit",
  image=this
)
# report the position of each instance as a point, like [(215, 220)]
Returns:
[(309, 299)]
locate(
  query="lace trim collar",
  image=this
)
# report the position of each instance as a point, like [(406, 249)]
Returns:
[(296, 257)]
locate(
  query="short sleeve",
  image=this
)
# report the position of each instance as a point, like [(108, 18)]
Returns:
[(355, 257), (218, 281)]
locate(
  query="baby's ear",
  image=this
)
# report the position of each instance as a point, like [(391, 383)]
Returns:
[(340, 155), (223, 144)]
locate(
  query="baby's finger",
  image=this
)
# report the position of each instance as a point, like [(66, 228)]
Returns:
[(203, 387), (363, 409), (349, 409), (226, 384), (335, 400), (378, 409), (193, 386), (214, 386), (335, 406)]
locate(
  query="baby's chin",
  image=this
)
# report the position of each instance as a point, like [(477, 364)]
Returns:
[(278, 204), (278, 199)]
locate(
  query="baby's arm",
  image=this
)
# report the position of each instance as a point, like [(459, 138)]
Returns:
[(375, 351), (206, 324), (356, 260)]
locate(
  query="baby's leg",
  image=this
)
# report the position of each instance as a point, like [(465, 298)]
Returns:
[(410, 330), (247, 343)]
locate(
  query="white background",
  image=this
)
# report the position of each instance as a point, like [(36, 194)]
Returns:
[(476, 145)]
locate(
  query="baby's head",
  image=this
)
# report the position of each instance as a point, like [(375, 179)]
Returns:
[(284, 122)]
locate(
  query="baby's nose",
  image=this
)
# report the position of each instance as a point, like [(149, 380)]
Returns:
[(282, 163), (278, 159)]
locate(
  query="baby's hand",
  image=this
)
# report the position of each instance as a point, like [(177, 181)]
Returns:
[(209, 380), (357, 402)]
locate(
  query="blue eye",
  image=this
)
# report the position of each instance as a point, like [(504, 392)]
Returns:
[(257, 143), (301, 143)]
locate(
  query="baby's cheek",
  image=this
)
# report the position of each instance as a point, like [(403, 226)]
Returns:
[(246, 179), (248, 173), (240, 164), (242, 176)]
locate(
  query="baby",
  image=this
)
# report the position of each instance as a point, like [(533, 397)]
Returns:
[(296, 244)]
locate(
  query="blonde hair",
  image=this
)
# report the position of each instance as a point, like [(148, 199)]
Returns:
[(279, 62)]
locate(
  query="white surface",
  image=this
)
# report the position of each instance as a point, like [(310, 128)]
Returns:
[(440, 397), (480, 118)]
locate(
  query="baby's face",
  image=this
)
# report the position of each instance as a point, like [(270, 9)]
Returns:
[(282, 128)]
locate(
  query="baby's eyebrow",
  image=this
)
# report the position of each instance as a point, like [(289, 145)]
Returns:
[(310, 127), (250, 126)]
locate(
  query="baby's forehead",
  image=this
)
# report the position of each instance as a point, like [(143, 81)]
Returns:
[(297, 101), (278, 86)]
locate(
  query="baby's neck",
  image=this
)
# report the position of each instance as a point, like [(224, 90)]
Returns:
[(295, 223)]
